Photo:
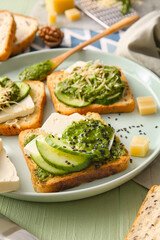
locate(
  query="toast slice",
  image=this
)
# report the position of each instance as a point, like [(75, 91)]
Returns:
[(7, 34), (34, 120), (147, 223), (25, 32), (60, 183), (125, 104)]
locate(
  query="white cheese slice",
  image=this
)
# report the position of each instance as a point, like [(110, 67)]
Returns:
[(9, 181), (31, 146), (55, 125), (76, 64), (21, 109)]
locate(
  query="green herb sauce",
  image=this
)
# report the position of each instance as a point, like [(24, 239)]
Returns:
[(92, 83), (93, 136), (37, 71), (29, 139), (42, 175)]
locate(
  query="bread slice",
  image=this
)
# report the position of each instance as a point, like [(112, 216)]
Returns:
[(7, 34), (60, 183), (147, 222), (33, 120), (25, 32), (126, 104)]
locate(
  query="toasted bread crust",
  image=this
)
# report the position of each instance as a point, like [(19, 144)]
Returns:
[(60, 183), (20, 45), (33, 120), (142, 213), (10, 37), (126, 104)]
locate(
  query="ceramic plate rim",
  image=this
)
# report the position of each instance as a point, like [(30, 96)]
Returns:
[(96, 189)]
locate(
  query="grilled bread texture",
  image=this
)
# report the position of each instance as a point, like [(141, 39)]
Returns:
[(125, 104), (60, 183), (7, 34), (147, 222), (34, 120)]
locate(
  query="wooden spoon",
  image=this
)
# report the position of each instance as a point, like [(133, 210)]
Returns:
[(114, 28)]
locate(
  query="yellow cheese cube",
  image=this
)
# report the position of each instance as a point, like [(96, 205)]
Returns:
[(72, 14), (146, 105), (139, 146), (52, 17), (61, 5)]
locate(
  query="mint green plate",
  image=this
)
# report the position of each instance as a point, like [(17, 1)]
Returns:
[(142, 82)]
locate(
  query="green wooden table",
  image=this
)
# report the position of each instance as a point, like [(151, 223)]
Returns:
[(106, 216)]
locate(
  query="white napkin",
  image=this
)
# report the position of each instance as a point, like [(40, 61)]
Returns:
[(141, 42)]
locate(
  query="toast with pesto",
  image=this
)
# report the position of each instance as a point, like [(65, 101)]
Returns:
[(35, 95), (74, 158), (90, 88), (7, 34)]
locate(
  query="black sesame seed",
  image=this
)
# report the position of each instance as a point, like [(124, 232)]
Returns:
[(156, 126), (68, 163), (130, 160), (72, 165), (58, 138), (64, 146), (116, 119), (53, 136)]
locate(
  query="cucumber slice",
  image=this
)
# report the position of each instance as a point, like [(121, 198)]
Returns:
[(24, 90), (60, 145), (74, 102), (110, 100), (45, 166), (61, 160)]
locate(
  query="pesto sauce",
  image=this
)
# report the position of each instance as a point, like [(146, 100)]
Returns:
[(42, 175), (92, 83), (10, 92), (90, 136), (37, 71), (29, 139)]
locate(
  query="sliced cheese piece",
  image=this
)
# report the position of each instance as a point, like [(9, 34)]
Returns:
[(31, 147), (139, 146), (146, 105), (61, 5), (72, 14), (55, 125), (21, 109), (9, 181)]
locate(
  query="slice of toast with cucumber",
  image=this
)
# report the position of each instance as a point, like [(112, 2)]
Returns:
[(22, 106), (83, 91), (60, 163)]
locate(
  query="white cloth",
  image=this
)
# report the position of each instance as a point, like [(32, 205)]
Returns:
[(141, 42)]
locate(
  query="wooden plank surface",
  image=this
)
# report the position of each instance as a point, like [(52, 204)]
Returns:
[(106, 216)]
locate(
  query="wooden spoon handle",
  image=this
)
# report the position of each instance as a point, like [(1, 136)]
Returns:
[(114, 28)]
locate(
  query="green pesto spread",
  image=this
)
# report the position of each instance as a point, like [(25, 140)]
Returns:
[(37, 71), (91, 83), (42, 175), (29, 139), (92, 136), (9, 92)]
